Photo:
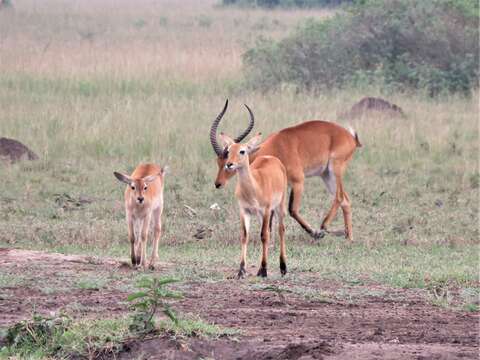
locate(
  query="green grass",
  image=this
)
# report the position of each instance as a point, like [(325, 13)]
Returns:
[(61, 337), (193, 326), (91, 283), (10, 280), (88, 337)]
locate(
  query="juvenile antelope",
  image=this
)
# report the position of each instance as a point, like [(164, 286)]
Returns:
[(143, 200), (312, 148), (261, 191)]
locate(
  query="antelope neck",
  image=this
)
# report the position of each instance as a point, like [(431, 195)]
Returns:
[(246, 181)]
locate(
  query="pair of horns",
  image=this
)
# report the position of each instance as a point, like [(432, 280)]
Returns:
[(213, 130)]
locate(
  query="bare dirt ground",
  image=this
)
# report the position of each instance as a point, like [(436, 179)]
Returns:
[(276, 321)]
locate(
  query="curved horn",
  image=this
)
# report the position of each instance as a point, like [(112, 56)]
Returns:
[(249, 128), (213, 131)]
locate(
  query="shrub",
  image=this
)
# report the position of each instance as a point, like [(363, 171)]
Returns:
[(431, 45)]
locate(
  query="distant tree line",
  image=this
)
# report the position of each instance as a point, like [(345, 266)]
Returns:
[(286, 3), (5, 3), (402, 44)]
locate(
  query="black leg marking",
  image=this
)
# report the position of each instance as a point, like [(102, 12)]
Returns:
[(241, 271), (318, 234), (283, 267), (311, 232), (263, 269), (262, 272), (271, 221), (290, 203)]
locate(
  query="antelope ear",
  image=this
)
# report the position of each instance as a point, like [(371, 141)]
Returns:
[(123, 178), (148, 179), (254, 143), (165, 170), (226, 140)]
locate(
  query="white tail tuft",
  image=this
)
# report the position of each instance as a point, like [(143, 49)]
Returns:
[(352, 131), (355, 136)]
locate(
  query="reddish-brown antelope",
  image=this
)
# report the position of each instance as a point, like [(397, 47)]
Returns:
[(143, 200), (312, 148), (261, 191)]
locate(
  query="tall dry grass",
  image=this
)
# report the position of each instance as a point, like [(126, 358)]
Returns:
[(192, 40)]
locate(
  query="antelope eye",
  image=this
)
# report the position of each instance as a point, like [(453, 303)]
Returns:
[(242, 152), (145, 187), (132, 187)]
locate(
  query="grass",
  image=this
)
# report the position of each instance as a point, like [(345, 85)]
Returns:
[(60, 337), (10, 280), (91, 283), (193, 326), (94, 91)]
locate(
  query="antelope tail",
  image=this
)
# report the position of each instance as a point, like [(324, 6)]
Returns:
[(355, 136)]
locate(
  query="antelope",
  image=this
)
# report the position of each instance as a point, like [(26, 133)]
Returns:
[(261, 190), (143, 200), (312, 148)]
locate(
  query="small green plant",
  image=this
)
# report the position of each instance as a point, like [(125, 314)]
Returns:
[(148, 301)]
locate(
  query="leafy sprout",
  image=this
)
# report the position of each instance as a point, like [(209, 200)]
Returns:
[(150, 299)]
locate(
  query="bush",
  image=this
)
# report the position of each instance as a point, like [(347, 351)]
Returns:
[(431, 45)]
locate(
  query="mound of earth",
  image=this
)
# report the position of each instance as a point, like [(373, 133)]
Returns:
[(370, 105), (13, 151)]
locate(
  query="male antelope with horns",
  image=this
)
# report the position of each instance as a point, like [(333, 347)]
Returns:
[(312, 148)]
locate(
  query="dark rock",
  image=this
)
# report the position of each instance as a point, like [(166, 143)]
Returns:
[(13, 151), (369, 105)]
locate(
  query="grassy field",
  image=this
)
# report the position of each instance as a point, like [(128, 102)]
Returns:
[(96, 87)]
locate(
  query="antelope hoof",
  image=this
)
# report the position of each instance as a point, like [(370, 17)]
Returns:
[(262, 272), (151, 263), (283, 269), (318, 234), (241, 274)]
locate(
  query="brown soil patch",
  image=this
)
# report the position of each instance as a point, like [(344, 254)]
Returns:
[(398, 324)]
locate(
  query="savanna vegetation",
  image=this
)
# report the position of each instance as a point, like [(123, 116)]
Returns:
[(400, 45), (96, 87)]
